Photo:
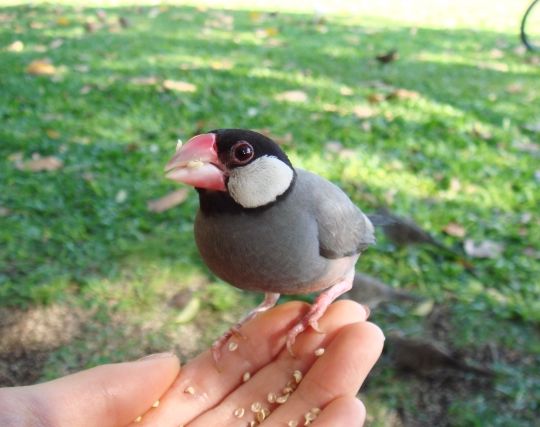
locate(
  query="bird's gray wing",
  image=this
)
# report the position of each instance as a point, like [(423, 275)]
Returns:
[(343, 229)]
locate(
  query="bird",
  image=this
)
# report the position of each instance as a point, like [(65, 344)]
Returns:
[(265, 226)]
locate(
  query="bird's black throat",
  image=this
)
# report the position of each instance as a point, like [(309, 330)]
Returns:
[(217, 202)]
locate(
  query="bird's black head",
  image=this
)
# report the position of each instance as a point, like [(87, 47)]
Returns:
[(250, 167), (239, 147)]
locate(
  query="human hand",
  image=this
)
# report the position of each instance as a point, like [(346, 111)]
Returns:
[(200, 395)]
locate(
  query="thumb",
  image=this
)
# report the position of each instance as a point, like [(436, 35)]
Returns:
[(108, 396)]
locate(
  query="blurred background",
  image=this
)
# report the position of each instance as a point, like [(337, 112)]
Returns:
[(425, 111)]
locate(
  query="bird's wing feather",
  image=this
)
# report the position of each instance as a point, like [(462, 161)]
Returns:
[(343, 229)]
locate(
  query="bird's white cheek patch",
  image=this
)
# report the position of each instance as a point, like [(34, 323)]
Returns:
[(259, 182)]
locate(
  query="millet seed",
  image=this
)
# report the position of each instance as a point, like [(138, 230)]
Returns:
[(319, 352), (239, 412)]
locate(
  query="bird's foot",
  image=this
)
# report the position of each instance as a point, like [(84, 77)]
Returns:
[(310, 319), (270, 299), (318, 308)]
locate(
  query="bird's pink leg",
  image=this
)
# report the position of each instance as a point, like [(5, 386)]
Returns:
[(318, 308), (270, 300)]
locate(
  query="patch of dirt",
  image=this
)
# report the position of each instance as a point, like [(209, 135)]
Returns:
[(27, 337)]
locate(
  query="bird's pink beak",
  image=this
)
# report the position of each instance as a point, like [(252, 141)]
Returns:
[(196, 163)]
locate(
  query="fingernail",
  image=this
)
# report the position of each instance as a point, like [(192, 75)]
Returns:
[(155, 356), (367, 309)]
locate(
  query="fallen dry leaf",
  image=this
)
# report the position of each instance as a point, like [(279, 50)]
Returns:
[(526, 146), (363, 111), (52, 134), (345, 91), (533, 127), (16, 46), (55, 44), (144, 81), (454, 229), (39, 164), (121, 196), (62, 21), (403, 94), (388, 57), (255, 17), (179, 86), (292, 96), (514, 87), (376, 98), (41, 67), (481, 132), (222, 64), (169, 201), (424, 308), (483, 249)]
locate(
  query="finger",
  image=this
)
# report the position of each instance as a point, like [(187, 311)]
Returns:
[(344, 411), (339, 372), (109, 395), (201, 387), (273, 378)]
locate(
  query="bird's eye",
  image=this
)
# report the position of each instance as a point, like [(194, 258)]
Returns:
[(242, 152)]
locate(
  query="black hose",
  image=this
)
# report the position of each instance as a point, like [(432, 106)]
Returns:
[(523, 33)]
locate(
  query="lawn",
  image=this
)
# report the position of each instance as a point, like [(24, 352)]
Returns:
[(93, 100)]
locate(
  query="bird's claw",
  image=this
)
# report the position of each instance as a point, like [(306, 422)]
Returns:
[(315, 326)]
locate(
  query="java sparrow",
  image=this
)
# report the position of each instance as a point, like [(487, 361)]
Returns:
[(266, 226)]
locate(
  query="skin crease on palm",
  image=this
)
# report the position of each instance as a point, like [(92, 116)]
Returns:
[(198, 394)]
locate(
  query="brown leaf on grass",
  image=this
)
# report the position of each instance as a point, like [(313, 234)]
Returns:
[(222, 64), (424, 308), (516, 87), (345, 91), (454, 229), (144, 81), (41, 67), (363, 111), (16, 46), (403, 94), (292, 96), (483, 249), (52, 134), (481, 132), (169, 201), (62, 21), (376, 98), (56, 43), (179, 86), (527, 147), (533, 127), (40, 164), (388, 57)]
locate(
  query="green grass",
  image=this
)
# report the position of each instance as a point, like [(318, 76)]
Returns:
[(452, 153)]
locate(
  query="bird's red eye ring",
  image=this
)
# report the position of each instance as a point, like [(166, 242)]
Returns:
[(242, 152)]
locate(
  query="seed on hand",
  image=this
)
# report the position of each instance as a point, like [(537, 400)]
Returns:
[(256, 406), (190, 390), (319, 352), (292, 423), (309, 417), (233, 346), (155, 404), (297, 376), (282, 399), (261, 415), (239, 412), (271, 397), (246, 376), (315, 411), (138, 419)]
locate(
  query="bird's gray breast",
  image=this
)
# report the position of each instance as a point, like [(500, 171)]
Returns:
[(270, 250)]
